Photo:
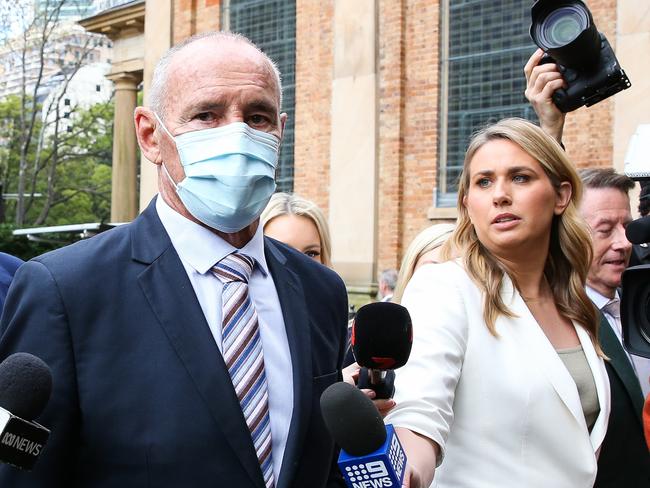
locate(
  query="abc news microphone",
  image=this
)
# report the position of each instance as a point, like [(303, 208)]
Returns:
[(371, 454), (25, 387), (382, 336)]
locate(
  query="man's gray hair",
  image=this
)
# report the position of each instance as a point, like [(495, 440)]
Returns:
[(389, 276), (158, 88), (605, 178)]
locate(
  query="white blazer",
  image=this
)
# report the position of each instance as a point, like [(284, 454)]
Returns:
[(504, 410)]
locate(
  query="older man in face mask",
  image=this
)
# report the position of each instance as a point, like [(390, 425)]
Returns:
[(186, 348)]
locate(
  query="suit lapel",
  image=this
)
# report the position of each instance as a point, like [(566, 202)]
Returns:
[(536, 345), (597, 434), (534, 341), (620, 363), (173, 301), (296, 321)]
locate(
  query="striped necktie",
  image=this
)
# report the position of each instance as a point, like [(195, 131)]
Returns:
[(242, 353), (639, 365), (613, 307)]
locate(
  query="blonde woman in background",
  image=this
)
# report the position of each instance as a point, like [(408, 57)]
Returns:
[(506, 386), (300, 224), (424, 249)]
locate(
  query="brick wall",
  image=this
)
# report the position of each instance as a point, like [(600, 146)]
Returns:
[(589, 131), (314, 61), (194, 16), (406, 186), (391, 68)]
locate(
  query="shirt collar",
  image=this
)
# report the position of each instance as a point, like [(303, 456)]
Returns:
[(201, 248), (599, 300)]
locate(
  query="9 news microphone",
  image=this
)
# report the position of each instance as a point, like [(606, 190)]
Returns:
[(25, 387), (382, 336), (371, 454)]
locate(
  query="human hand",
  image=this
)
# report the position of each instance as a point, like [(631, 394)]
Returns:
[(412, 478), (541, 82), (351, 376)]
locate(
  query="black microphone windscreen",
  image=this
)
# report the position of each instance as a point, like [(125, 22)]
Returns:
[(352, 419), (638, 231), (25, 385), (382, 335)]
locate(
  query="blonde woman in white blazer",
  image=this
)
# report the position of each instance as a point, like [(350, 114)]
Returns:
[(506, 385)]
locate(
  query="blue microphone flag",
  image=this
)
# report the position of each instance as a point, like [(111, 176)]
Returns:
[(383, 468)]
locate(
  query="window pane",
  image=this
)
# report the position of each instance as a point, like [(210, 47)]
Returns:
[(488, 48), (271, 24)]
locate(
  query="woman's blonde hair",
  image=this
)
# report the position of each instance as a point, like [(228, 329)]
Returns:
[(569, 253), (429, 239), (291, 204)]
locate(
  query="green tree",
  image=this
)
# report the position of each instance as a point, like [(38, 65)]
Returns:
[(10, 149), (54, 171), (77, 185), (68, 173)]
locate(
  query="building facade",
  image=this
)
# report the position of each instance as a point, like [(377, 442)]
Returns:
[(24, 66), (384, 94), (71, 9)]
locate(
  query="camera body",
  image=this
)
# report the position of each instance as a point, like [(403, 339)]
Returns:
[(565, 31), (635, 310), (588, 87), (635, 302)]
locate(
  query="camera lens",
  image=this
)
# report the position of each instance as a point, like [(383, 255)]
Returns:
[(563, 25), (566, 32)]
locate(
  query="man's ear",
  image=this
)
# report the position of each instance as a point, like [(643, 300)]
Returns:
[(145, 127), (283, 122)]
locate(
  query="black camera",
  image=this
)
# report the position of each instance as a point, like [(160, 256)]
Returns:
[(635, 310), (635, 302), (565, 30)]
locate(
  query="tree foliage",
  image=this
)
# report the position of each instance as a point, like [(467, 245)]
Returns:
[(55, 162), (68, 174)]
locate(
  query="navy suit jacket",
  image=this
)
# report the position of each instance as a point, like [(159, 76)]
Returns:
[(141, 395), (624, 461), (8, 266)]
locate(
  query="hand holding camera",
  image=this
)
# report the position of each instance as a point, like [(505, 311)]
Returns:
[(565, 31), (542, 80)]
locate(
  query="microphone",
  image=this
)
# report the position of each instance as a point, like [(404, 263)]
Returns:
[(25, 387), (371, 454), (382, 335), (638, 231)]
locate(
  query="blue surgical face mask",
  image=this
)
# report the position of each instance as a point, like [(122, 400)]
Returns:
[(229, 174)]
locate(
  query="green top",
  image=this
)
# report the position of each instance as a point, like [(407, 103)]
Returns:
[(575, 361)]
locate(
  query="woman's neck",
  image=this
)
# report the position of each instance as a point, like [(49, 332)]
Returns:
[(529, 277)]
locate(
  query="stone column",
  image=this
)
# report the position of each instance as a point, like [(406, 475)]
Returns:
[(157, 39), (353, 150), (124, 188)]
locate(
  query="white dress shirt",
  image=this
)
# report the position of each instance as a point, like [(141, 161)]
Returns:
[(199, 250), (640, 365)]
